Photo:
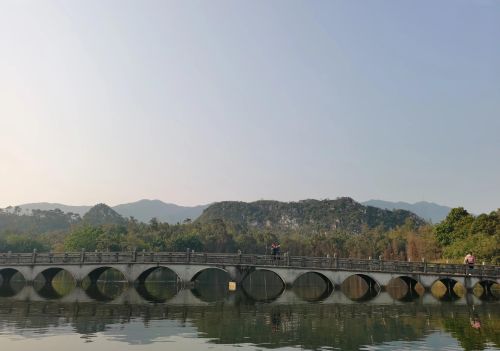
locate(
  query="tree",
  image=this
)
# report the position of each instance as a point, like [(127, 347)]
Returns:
[(455, 226), (83, 237), (182, 242), (111, 237), (21, 243)]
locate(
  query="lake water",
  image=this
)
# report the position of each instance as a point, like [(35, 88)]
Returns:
[(161, 316)]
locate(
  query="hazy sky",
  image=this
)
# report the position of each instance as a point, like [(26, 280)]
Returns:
[(198, 101)]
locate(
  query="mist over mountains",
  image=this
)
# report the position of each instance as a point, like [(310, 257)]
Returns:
[(49, 206), (429, 211), (142, 210)]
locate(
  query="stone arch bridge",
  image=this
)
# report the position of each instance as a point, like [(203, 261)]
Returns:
[(136, 266)]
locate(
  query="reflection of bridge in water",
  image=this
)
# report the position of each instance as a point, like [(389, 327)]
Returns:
[(188, 297), (357, 279)]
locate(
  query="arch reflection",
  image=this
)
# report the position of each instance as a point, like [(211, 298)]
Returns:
[(360, 287), (54, 283), (487, 290), (263, 285), (104, 284), (405, 288), (158, 284), (447, 289), (211, 284), (312, 286), (11, 282)]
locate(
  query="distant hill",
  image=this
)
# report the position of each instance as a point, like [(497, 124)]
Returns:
[(102, 214), (343, 214), (340, 213), (47, 206), (144, 210), (37, 221), (427, 210)]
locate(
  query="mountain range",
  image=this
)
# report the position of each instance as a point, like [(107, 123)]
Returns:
[(144, 210)]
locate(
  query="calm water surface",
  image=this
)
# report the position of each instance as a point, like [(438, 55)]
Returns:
[(160, 316)]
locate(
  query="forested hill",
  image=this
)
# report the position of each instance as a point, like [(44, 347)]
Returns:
[(40, 221), (341, 214)]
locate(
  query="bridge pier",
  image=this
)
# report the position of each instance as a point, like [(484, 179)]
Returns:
[(239, 273)]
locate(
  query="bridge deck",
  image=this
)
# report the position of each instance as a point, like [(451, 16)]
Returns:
[(284, 261)]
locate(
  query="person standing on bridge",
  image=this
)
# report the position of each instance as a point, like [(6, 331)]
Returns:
[(470, 260)]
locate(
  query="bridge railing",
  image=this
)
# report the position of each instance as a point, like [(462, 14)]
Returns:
[(189, 257), (16, 258)]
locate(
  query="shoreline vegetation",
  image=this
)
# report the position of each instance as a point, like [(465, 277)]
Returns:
[(339, 227)]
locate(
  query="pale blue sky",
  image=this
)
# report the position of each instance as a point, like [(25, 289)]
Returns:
[(199, 101)]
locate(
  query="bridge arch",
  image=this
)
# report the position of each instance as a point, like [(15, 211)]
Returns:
[(360, 287), (109, 289), (6, 275), (487, 289), (157, 284), (267, 269), (204, 270), (312, 286), (447, 289), (96, 273), (148, 272), (7, 287), (263, 284), (43, 283), (404, 288), (211, 284)]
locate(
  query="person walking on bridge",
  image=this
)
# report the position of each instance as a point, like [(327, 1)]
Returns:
[(278, 251), (470, 260)]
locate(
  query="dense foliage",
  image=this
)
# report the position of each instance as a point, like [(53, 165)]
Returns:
[(461, 232), (342, 227), (341, 214)]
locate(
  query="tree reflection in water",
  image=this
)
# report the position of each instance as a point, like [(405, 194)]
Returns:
[(261, 312), (267, 325)]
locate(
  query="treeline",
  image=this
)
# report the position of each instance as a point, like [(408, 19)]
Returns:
[(12, 219), (461, 232), (450, 239)]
